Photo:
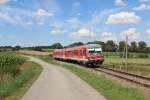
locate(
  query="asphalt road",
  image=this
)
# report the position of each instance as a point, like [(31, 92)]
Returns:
[(56, 83)]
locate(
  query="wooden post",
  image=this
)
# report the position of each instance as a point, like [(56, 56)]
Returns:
[(126, 63)]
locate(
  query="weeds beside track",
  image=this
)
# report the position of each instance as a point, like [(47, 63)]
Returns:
[(138, 79)]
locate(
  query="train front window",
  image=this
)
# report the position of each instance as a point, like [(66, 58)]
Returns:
[(94, 52)]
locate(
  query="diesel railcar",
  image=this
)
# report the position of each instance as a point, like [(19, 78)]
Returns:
[(90, 54)]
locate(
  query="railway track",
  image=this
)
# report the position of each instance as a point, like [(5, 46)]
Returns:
[(138, 79), (134, 78)]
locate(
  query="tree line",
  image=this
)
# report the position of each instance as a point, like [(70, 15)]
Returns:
[(134, 46), (109, 46)]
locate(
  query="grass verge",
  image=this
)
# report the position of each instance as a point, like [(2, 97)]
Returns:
[(14, 89), (108, 88)]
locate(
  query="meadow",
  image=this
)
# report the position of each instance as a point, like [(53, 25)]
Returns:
[(137, 62)]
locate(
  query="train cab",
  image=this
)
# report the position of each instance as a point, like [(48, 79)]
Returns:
[(95, 55)]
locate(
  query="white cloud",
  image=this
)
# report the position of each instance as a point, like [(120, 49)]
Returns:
[(123, 17), (76, 4), (7, 37), (13, 19), (42, 12), (108, 36), (40, 23), (129, 32), (57, 25), (57, 28), (16, 16), (105, 34), (148, 31), (78, 14), (58, 31), (83, 33), (6, 17), (119, 3), (97, 17), (73, 20), (4, 1), (132, 34), (29, 23), (148, 23), (142, 7), (144, 0)]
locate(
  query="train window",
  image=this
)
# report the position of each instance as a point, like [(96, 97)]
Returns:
[(94, 53), (70, 53), (75, 52), (83, 52)]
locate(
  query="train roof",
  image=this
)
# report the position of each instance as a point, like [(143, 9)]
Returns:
[(79, 47), (93, 46), (84, 46)]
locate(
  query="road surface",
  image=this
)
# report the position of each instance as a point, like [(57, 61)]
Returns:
[(56, 83)]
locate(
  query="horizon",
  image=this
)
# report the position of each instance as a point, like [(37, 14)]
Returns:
[(84, 43), (30, 23)]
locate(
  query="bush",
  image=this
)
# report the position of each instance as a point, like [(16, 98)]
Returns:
[(143, 56), (132, 55)]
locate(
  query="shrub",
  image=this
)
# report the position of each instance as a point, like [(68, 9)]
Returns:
[(143, 56)]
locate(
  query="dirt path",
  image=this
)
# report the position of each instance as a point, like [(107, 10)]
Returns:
[(56, 83)]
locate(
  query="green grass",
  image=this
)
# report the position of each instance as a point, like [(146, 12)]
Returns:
[(23, 80), (110, 89), (135, 65), (131, 54)]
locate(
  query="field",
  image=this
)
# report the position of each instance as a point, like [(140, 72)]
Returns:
[(16, 73), (136, 65), (33, 53), (9, 65)]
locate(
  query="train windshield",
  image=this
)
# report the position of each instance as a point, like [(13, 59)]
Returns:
[(95, 52)]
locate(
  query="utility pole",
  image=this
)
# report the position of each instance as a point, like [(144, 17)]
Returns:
[(126, 52)]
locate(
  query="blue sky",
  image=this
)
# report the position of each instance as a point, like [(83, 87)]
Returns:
[(44, 22)]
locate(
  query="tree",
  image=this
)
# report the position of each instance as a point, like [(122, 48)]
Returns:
[(142, 46), (76, 44), (121, 46), (37, 48), (147, 50), (111, 46), (16, 48), (134, 47), (56, 46)]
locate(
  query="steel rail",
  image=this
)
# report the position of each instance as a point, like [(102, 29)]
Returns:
[(120, 74)]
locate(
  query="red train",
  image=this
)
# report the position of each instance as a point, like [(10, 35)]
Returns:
[(90, 54)]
